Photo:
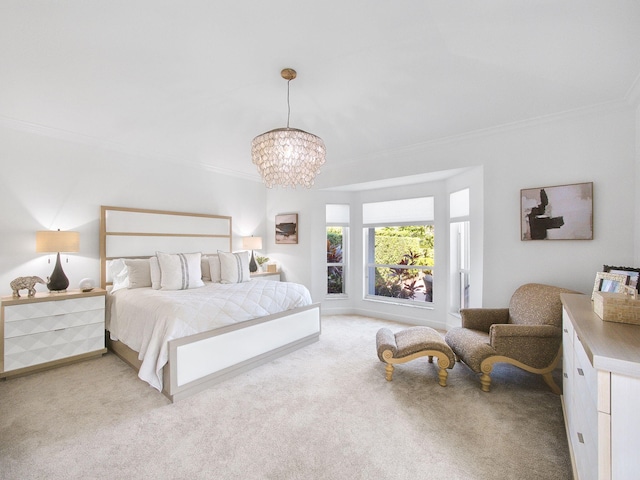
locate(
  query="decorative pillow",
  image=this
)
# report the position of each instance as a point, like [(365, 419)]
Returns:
[(139, 272), (204, 266), (154, 268), (234, 267), (118, 273), (180, 271), (214, 268)]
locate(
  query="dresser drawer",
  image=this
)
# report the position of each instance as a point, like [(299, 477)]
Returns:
[(14, 313), (567, 330), (30, 326), (585, 373), (27, 350)]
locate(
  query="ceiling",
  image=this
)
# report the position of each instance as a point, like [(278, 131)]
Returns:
[(196, 80)]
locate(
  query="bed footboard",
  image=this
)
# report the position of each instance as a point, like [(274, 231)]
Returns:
[(199, 361)]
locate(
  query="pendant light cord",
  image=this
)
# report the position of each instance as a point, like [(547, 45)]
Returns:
[(288, 104)]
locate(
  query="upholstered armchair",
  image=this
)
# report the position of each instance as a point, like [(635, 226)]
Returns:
[(528, 334)]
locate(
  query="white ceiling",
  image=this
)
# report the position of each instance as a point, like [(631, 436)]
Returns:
[(196, 80)]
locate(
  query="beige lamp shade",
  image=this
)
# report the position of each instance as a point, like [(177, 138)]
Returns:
[(252, 243), (50, 241)]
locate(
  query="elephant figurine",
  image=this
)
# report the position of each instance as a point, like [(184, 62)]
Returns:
[(28, 283)]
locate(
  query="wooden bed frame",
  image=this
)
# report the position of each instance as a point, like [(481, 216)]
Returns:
[(199, 361)]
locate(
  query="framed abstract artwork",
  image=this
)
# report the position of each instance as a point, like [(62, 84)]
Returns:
[(563, 212), (287, 228)]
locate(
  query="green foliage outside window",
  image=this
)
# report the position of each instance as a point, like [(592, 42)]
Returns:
[(335, 276), (404, 246)]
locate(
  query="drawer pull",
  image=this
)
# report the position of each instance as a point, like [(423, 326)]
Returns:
[(59, 329), (566, 331), (580, 438), (565, 375), (580, 372)]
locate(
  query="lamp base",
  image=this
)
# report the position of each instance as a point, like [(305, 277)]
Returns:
[(58, 281), (253, 266)]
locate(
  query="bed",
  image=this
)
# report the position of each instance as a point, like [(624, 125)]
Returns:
[(188, 336)]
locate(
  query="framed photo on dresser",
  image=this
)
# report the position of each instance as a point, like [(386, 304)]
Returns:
[(632, 272)]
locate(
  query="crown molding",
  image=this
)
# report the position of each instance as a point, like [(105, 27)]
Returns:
[(77, 138), (631, 98), (490, 131)]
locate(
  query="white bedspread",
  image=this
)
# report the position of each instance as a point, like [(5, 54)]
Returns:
[(145, 319)]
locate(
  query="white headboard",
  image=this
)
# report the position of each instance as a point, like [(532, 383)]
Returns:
[(140, 233)]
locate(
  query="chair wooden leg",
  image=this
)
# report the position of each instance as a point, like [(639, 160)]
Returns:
[(486, 367), (389, 370), (548, 378)]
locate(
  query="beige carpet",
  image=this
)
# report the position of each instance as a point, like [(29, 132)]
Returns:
[(324, 412)]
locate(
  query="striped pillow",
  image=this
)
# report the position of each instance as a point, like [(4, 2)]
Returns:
[(234, 267), (180, 271)]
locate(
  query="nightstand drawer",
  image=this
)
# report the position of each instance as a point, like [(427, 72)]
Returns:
[(28, 350), (13, 313), (30, 326), (275, 276)]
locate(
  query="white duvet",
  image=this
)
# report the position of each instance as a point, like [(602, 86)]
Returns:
[(145, 319)]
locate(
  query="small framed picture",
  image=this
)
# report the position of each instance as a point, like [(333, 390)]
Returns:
[(563, 212), (610, 282), (287, 228), (633, 273)]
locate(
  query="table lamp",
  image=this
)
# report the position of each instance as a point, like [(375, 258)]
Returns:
[(252, 243), (48, 241)]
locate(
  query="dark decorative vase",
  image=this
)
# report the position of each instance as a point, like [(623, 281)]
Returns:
[(58, 281), (253, 266)]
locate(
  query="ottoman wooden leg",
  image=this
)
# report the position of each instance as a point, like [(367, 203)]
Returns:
[(389, 370), (443, 377)]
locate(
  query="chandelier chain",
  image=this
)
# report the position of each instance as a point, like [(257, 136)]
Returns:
[(288, 104)]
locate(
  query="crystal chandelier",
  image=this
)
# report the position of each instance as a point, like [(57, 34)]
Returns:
[(288, 156)]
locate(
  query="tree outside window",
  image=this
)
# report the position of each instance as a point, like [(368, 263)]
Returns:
[(335, 260), (400, 262)]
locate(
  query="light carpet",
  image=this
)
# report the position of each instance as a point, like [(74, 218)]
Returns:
[(323, 412)]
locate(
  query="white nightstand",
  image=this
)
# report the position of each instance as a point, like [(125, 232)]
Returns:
[(50, 329), (266, 276)]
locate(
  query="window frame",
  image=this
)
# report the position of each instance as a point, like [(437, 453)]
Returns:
[(370, 267), (338, 215), (343, 264), (460, 251)]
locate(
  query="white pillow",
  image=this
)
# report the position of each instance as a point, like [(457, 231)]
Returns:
[(206, 270), (234, 267), (180, 271), (118, 273), (214, 268), (139, 272), (154, 269)]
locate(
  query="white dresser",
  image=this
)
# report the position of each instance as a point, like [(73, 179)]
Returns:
[(50, 329), (601, 392)]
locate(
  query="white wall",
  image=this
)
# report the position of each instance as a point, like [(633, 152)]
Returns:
[(48, 183), (636, 197)]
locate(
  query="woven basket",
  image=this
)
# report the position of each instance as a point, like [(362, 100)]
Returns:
[(616, 307)]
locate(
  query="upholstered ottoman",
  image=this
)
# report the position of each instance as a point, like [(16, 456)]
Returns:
[(412, 343)]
